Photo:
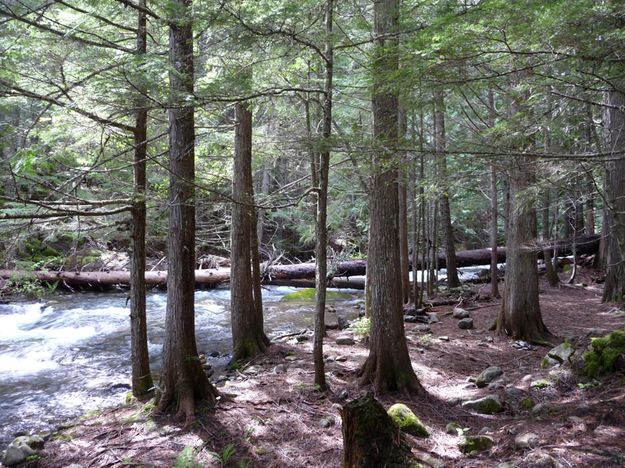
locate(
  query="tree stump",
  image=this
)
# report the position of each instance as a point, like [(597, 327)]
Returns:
[(370, 437)]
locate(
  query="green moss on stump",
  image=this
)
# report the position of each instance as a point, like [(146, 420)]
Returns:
[(407, 420), (308, 294), (606, 354)]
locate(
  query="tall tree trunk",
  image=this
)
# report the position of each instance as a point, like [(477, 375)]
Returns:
[(248, 337), (494, 271), (388, 365), (141, 377), (403, 210), (321, 218), (445, 214), (552, 276), (614, 125), (183, 381), (520, 315)]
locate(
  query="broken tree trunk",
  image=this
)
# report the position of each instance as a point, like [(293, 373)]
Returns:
[(370, 437), (275, 274)]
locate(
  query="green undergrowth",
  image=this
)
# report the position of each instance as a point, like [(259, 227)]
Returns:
[(308, 294), (604, 352)]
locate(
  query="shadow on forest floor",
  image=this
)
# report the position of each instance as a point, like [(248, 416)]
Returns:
[(275, 417)]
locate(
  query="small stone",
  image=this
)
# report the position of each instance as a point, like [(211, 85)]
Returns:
[(476, 444), (290, 358), (443, 338), (280, 369), (340, 359), (344, 340), (542, 409), (485, 430), (423, 328), (326, 423), (433, 461), (453, 428), (540, 384), (514, 392), (540, 459), (20, 449), (407, 420), (344, 395), (465, 324), (410, 319), (301, 338), (506, 465), (488, 375), (560, 355), (433, 318), (526, 440), (460, 313), (490, 404), (252, 370)]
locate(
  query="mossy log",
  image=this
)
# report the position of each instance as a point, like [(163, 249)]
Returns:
[(370, 437)]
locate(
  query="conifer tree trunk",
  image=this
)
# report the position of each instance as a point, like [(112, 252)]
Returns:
[(494, 272), (614, 125), (141, 381), (183, 380), (388, 365), (520, 315), (321, 217), (248, 336), (403, 209), (441, 160)]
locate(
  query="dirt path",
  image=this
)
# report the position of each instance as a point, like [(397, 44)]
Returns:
[(273, 417)]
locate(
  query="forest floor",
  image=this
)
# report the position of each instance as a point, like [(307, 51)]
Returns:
[(272, 416)]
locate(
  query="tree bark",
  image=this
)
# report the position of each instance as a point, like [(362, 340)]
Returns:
[(388, 365), (183, 380), (494, 272), (614, 125), (520, 315), (141, 381), (321, 216), (445, 211), (404, 258), (370, 437), (248, 337)]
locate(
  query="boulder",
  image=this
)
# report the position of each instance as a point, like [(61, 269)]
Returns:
[(465, 324), (433, 318), (478, 443), (407, 420), (460, 313), (488, 375), (540, 459), (560, 355), (21, 448), (526, 440), (490, 404), (540, 384), (344, 340), (423, 328)]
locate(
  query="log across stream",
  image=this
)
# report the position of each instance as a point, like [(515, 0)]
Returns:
[(296, 275)]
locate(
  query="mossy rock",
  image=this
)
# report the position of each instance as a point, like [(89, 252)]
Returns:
[(407, 420), (606, 354), (527, 404), (490, 404), (308, 294), (560, 355), (540, 384), (475, 444)]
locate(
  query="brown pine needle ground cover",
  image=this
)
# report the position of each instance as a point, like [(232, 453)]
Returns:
[(272, 416)]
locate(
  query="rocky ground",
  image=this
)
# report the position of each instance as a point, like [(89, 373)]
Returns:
[(270, 414)]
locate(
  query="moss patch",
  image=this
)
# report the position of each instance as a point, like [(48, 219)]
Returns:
[(308, 294), (407, 420), (606, 354), (475, 444)]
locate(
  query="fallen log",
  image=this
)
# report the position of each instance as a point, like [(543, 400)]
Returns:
[(274, 274)]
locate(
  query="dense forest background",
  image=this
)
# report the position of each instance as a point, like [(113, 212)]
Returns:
[(139, 136)]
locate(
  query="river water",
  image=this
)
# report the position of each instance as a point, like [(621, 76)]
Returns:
[(62, 357)]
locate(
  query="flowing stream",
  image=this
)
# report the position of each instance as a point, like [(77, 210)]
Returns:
[(71, 354)]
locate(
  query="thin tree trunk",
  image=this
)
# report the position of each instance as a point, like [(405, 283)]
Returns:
[(494, 271), (183, 380), (141, 377), (445, 211), (552, 276), (248, 337), (403, 210), (321, 219)]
